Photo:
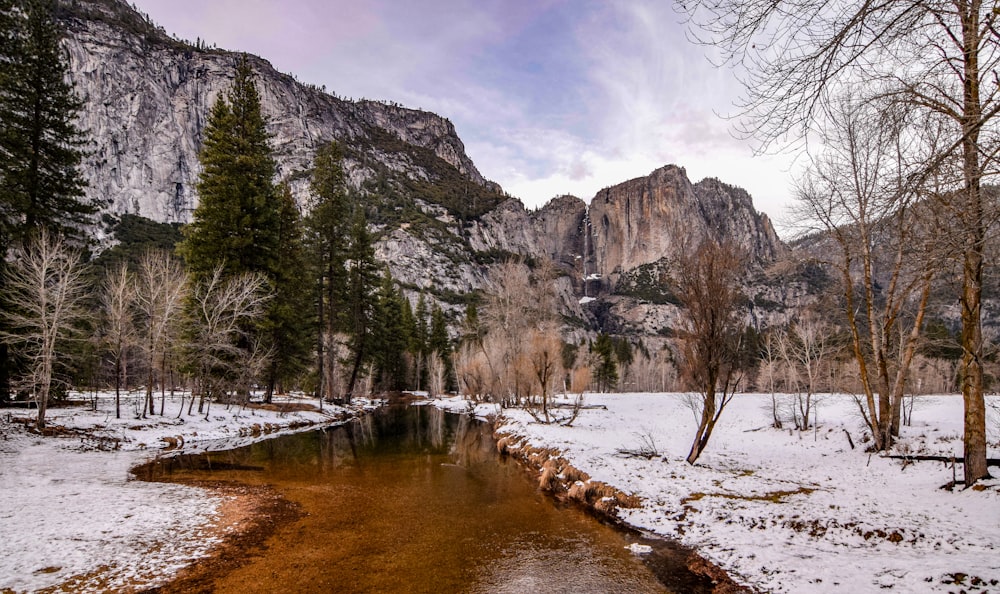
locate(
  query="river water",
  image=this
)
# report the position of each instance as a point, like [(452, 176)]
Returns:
[(413, 499)]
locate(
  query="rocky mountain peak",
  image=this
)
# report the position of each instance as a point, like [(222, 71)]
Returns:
[(440, 224), (647, 219)]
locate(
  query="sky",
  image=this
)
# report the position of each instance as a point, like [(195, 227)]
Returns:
[(550, 97)]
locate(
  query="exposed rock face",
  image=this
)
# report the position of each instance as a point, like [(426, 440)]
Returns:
[(650, 218), (147, 100), (555, 231), (148, 97)]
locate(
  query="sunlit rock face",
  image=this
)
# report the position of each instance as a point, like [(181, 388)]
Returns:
[(656, 217)]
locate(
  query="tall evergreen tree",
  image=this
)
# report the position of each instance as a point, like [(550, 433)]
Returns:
[(408, 321), (236, 223), (287, 322), (40, 145), (440, 344), (419, 343), (390, 335), (471, 329), (362, 279), (327, 235), (606, 374), (244, 224)]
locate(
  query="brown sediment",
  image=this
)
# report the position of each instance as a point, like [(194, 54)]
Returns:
[(248, 516), (567, 483)]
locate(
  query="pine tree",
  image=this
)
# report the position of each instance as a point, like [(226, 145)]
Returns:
[(236, 222), (440, 344), (245, 225), (472, 331), (606, 374), (362, 278), (390, 335), (41, 147), (418, 343), (327, 234), (287, 322)]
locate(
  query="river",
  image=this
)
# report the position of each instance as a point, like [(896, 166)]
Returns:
[(413, 499)]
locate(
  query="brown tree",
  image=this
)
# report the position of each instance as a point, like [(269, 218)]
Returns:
[(117, 300), (220, 314), (518, 301), (160, 289), (862, 194), (706, 280), (807, 348), (545, 353)]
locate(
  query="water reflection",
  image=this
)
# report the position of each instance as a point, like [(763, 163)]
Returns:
[(417, 500)]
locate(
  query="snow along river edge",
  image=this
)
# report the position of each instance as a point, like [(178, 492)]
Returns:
[(781, 511)]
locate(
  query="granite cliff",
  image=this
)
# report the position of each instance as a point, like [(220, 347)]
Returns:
[(440, 223), (148, 97)]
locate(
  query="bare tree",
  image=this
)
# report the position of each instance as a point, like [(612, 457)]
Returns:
[(473, 370), (771, 352), (806, 347), (161, 285), (861, 193), (707, 283), (938, 57), (435, 374), (545, 355), (219, 312), (518, 300), (655, 371), (119, 335), (45, 290)]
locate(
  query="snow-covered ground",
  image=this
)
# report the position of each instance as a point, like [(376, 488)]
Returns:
[(790, 511), (71, 515), (780, 510)]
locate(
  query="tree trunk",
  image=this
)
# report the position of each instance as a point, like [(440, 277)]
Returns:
[(972, 371), (704, 427), (5, 362), (320, 370), (163, 387), (43, 391), (118, 386), (358, 358), (972, 277)]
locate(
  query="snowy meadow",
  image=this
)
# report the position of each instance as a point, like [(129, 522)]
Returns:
[(789, 511)]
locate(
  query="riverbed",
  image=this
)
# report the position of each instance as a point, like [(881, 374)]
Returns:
[(418, 500)]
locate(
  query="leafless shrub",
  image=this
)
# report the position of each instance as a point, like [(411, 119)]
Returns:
[(646, 448)]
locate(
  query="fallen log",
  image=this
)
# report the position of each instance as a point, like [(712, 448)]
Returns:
[(946, 459)]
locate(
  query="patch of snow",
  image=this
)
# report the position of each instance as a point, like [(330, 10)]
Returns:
[(72, 515), (639, 549), (586, 300), (790, 511)]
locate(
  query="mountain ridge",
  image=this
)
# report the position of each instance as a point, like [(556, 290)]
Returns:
[(440, 223)]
